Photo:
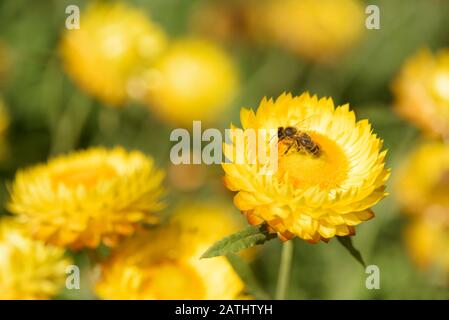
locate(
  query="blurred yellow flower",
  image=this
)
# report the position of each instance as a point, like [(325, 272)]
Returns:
[(29, 269), (421, 92), (422, 182), (315, 29), (81, 199), (427, 240), (164, 263), (113, 46), (311, 196), (422, 188), (194, 80)]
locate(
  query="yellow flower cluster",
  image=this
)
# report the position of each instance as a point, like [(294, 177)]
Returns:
[(311, 196), (101, 195), (164, 262), (29, 269), (421, 92), (422, 187), (88, 197), (119, 54)]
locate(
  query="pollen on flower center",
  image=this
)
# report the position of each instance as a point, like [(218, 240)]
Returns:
[(86, 175), (326, 170)]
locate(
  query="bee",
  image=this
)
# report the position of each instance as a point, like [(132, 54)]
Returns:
[(298, 139)]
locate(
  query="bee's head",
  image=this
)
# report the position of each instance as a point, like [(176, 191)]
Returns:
[(280, 132), (289, 131)]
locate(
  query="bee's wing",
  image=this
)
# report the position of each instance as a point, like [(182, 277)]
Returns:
[(301, 124), (271, 139), (304, 124)]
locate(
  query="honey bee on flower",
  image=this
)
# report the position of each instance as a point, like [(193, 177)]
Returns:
[(313, 195)]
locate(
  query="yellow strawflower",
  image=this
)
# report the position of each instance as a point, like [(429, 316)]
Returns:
[(310, 196), (114, 45), (87, 197), (422, 188), (164, 262), (427, 240), (422, 182), (29, 269), (318, 30), (421, 92), (194, 80)]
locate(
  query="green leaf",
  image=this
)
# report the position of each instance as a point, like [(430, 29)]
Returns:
[(247, 238), (246, 274), (346, 241)]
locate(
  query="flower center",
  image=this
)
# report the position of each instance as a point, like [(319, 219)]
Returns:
[(327, 170), (86, 175)]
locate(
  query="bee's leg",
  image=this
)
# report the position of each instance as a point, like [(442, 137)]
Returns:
[(298, 146), (288, 149)]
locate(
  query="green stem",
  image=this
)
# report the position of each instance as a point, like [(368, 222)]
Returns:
[(284, 270)]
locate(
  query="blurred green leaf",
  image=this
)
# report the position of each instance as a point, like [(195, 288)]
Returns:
[(346, 241), (247, 238), (246, 274)]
